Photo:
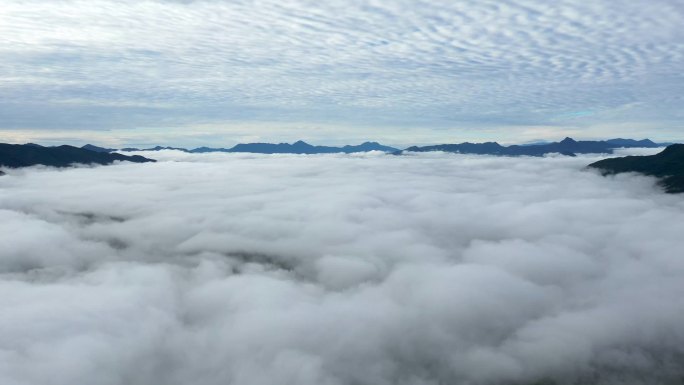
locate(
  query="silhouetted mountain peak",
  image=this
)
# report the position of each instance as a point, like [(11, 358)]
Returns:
[(568, 140), (92, 147)]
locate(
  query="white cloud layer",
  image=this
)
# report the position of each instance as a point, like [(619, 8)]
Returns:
[(113, 64), (366, 269)]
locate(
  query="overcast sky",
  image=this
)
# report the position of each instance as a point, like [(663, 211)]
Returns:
[(403, 72)]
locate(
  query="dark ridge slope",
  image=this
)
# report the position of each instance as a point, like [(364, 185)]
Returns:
[(668, 165), (24, 155), (299, 147), (567, 146), (156, 148), (644, 143)]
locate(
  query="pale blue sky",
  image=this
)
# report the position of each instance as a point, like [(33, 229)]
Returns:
[(400, 72)]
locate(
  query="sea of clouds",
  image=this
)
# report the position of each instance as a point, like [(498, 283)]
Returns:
[(424, 269)]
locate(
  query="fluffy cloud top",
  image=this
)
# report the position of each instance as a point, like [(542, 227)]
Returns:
[(337, 269), (113, 64)]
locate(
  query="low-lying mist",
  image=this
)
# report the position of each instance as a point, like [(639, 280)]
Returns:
[(339, 269)]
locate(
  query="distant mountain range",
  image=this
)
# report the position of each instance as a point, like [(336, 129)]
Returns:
[(24, 155), (299, 147), (157, 148), (668, 165), (13, 155), (567, 146)]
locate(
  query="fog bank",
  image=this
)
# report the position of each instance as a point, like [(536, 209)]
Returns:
[(339, 269)]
